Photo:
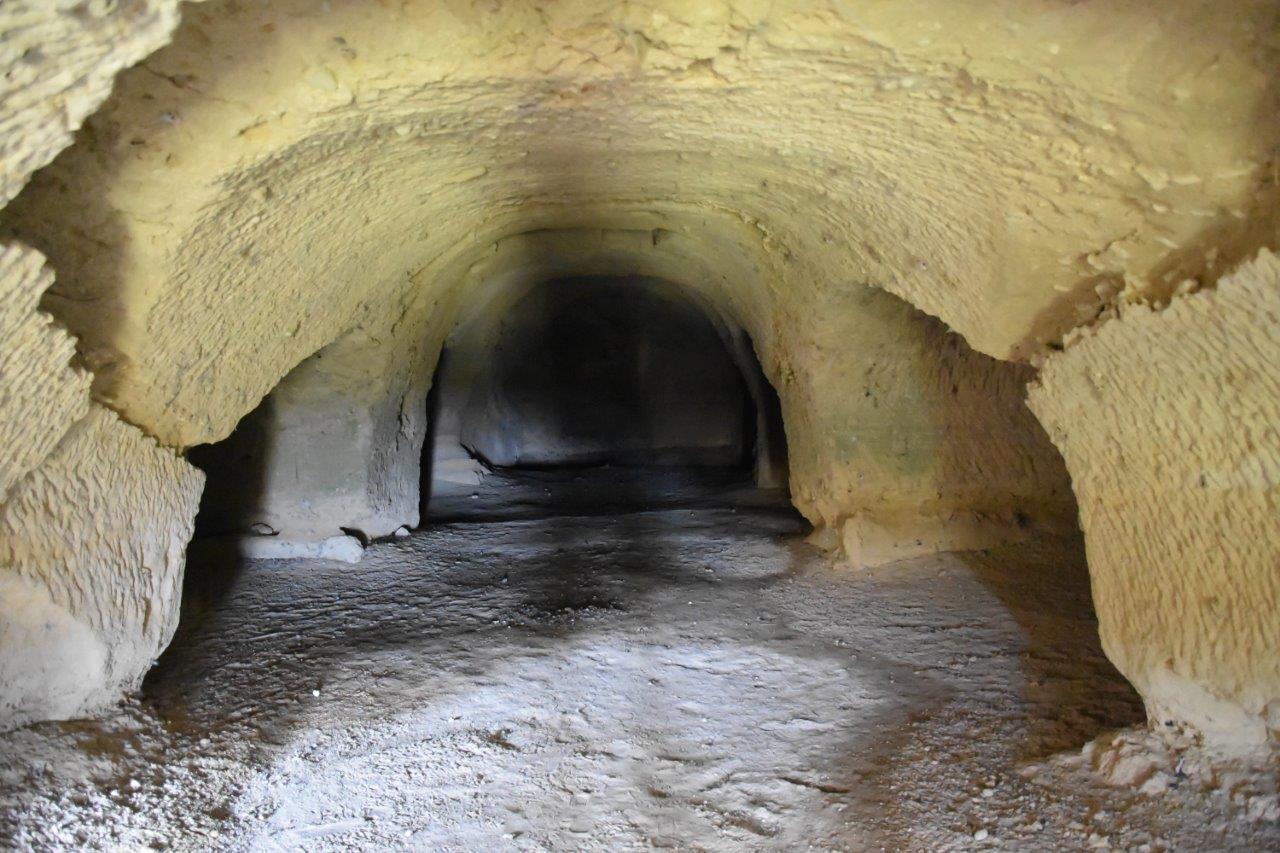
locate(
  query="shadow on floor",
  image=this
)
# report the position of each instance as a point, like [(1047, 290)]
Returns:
[(520, 565), (1073, 692), (272, 652)]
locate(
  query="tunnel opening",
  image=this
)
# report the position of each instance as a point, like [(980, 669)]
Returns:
[(999, 298), (600, 393), (579, 395)]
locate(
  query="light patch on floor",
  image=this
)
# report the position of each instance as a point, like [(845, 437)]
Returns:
[(696, 679)]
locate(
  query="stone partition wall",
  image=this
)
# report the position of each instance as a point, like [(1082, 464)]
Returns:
[(335, 448), (904, 441), (1170, 425)]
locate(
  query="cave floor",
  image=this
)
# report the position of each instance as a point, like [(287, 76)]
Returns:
[(697, 678)]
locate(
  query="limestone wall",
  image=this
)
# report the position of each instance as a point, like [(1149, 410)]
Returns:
[(91, 559), (41, 394), (336, 446), (994, 165), (60, 60), (93, 516), (904, 441), (828, 176), (1170, 425)]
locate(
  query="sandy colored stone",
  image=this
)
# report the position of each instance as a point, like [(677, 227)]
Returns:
[(866, 541), (1168, 421), (900, 432), (993, 165), (885, 197), (60, 59), (887, 415), (91, 557), (337, 445), (41, 394)]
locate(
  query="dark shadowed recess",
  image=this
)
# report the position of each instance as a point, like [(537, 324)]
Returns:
[(599, 394)]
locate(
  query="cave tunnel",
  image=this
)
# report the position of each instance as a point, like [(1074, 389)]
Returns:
[(598, 394), (717, 426)]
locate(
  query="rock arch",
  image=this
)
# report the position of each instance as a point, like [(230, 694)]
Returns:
[(928, 190)]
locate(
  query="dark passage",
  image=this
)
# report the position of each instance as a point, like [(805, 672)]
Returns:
[(596, 395)]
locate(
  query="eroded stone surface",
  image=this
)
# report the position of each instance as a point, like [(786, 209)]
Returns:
[(60, 59), (91, 557), (285, 173), (993, 168), (337, 445), (1168, 422), (41, 394)]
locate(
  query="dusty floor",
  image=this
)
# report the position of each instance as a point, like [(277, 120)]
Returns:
[(690, 678)]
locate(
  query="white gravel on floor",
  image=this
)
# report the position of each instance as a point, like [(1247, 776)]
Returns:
[(694, 679)]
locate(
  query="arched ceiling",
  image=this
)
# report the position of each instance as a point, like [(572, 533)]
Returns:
[(1005, 166)]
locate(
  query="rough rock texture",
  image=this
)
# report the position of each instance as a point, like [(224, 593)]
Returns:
[(91, 557), (903, 440), (1170, 425), (41, 394), (337, 445), (284, 171), (992, 166), (60, 59), (78, 619)]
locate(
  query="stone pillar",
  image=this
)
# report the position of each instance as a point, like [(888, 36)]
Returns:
[(92, 545), (1170, 425)]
